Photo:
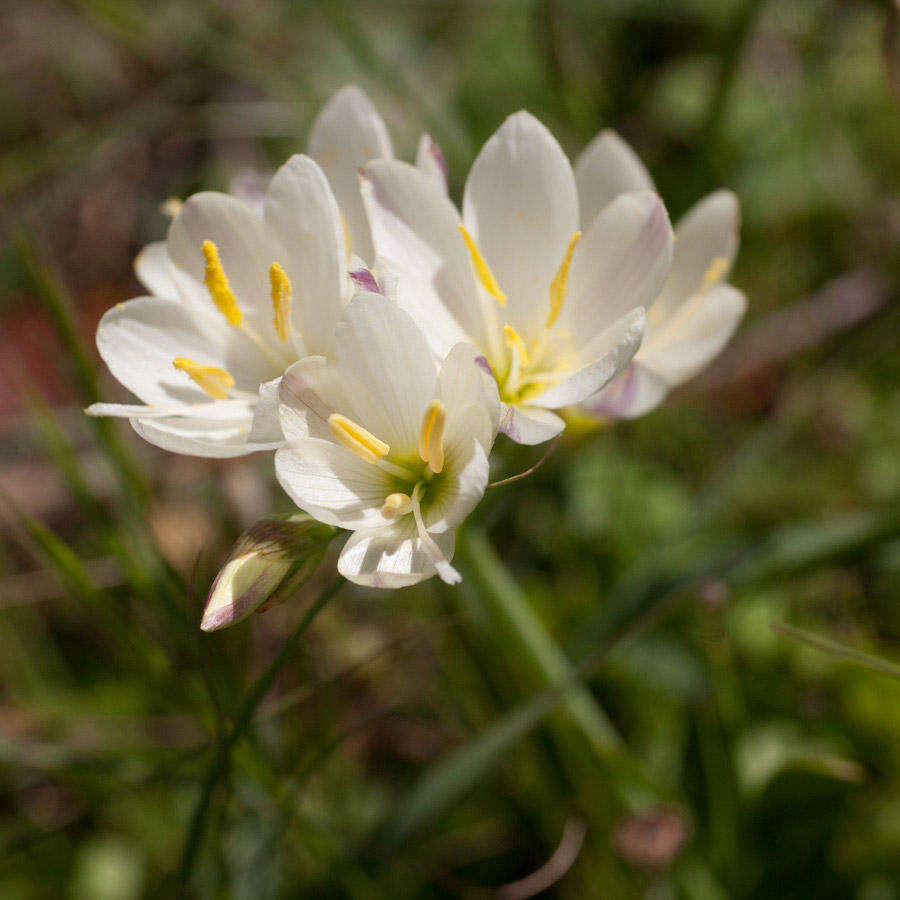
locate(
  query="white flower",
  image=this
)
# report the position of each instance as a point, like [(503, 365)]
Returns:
[(557, 315), (345, 135), (384, 442), (696, 312), (236, 299)]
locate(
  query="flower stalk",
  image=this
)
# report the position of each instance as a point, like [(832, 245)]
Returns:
[(218, 768)]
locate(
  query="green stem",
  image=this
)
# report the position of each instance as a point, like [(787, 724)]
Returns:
[(220, 763), (524, 630)]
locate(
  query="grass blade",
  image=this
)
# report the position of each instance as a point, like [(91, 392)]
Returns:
[(826, 645)]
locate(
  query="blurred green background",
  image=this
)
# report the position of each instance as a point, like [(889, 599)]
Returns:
[(675, 553)]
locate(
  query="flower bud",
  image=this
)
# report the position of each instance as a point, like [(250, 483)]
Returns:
[(274, 556)]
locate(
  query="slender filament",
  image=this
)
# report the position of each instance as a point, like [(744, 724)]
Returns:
[(446, 572)]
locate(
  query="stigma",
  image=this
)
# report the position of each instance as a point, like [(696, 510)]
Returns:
[(281, 300), (482, 270), (354, 437), (559, 287), (219, 287), (431, 436), (215, 381)]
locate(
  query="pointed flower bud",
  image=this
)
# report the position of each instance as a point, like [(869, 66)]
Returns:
[(275, 556)]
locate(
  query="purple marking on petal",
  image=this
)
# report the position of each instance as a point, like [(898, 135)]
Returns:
[(508, 425), (240, 608), (293, 391), (437, 155), (365, 280), (484, 364), (616, 398)]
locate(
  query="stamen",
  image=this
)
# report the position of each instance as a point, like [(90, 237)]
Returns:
[(215, 381), (354, 437), (447, 573), (219, 288), (515, 343), (396, 505), (281, 300), (717, 268), (559, 287), (431, 436), (482, 270), (348, 237)]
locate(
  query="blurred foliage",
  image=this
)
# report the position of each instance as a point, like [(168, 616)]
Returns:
[(408, 751)]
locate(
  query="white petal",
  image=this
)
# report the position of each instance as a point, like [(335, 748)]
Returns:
[(610, 354), (301, 210), (310, 391), (346, 134), (530, 424), (139, 340), (695, 334), (266, 428), (157, 273), (606, 168), (249, 186), (229, 410), (332, 483), (708, 232), (521, 207), (154, 271), (634, 393), (469, 391), (391, 557), (200, 437), (430, 161), (382, 351), (465, 478), (246, 250), (415, 228), (621, 263)]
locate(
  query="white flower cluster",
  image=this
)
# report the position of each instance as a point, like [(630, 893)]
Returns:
[(377, 338)]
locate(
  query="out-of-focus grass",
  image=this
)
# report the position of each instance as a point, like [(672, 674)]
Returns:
[(408, 750)]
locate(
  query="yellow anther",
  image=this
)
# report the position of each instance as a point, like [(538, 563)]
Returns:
[(431, 435), (281, 300), (559, 287), (515, 343), (482, 270), (395, 504), (171, 207), (354, 437), (219, 288), (348, 237), (215, 381), (717, 268)]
